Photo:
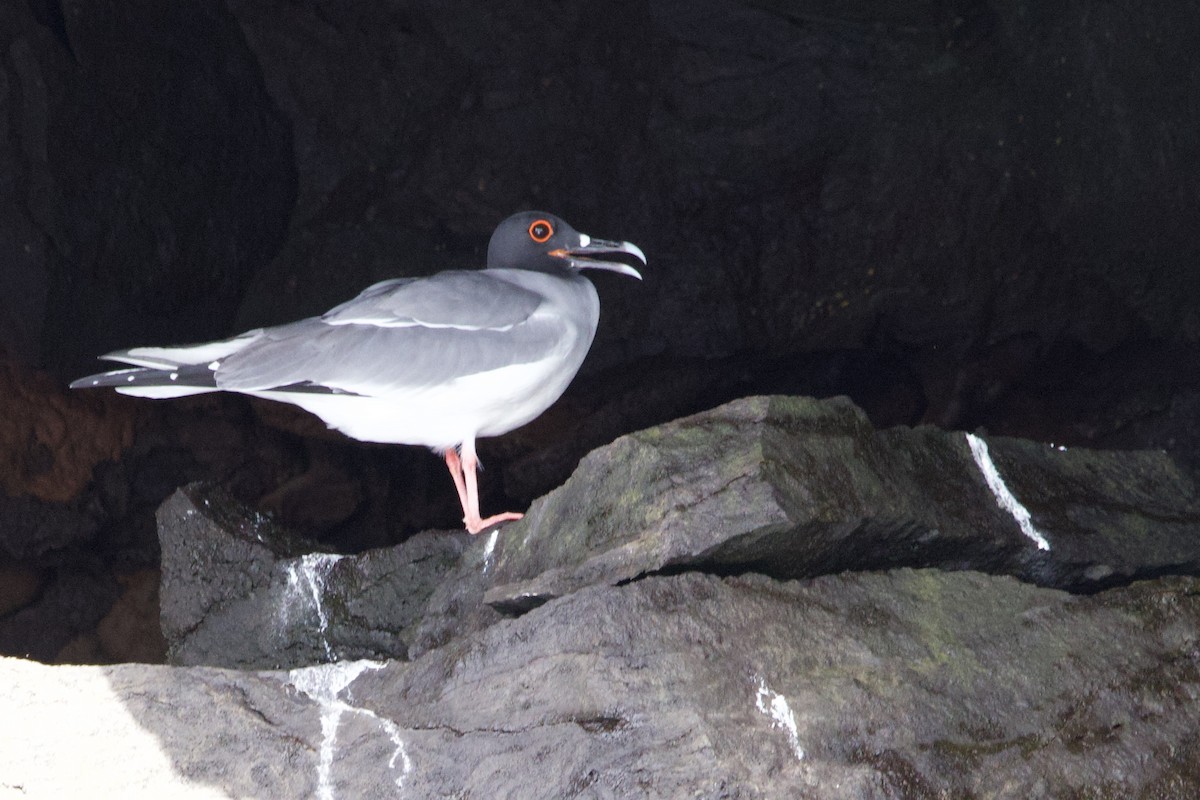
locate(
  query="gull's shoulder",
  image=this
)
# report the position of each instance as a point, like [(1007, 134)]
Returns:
[(468, 299)]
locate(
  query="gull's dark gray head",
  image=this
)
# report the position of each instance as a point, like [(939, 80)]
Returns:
[(543, 242)]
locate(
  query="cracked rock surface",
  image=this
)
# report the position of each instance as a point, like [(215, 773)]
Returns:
[(793, 487), (769, 599), (240, 591), (788, 487), (910, 683)]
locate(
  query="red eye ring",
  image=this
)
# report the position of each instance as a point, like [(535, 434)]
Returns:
[(540, 230)]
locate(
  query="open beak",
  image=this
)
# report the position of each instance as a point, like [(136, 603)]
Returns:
[(600, 254)]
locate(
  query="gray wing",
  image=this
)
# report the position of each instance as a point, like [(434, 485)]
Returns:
[(401, 335), (458, 298)]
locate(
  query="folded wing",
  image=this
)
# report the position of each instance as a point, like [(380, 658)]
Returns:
[(400, 336)]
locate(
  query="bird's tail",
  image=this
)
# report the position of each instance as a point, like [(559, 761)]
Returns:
[(151, 382), (161, 372)]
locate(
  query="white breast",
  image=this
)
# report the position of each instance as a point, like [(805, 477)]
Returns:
[(480, 404)]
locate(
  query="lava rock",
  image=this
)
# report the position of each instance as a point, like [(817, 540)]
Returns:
[(30, 528), (248, 725), (19, 585), (911, 683), (793, 487), (787, 487), (239, 590), (150, 174), (52, 439), (73, 601)]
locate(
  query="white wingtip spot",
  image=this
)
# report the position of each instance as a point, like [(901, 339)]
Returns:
[(584, 240), (129, 379), (1004, 498), (214, 365), (174, 376)]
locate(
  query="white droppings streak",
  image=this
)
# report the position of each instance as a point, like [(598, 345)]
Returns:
[(324, 683), (311, 570), (1004, 498), (774, 705), (489, 549)]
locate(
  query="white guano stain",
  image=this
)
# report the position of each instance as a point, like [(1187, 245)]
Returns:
[(774, 705), (310, 572), (1004, 498), (325, 683), (489, 550)]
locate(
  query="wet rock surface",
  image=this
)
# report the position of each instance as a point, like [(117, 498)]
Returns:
[(699, 639), (241, 591), (904, 684), (968, 215), (782, 486), (792, 487)]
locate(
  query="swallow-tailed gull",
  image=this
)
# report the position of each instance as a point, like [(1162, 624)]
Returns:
[(437, 361)]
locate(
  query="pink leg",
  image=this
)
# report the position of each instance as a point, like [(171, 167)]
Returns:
[(454, 464), (469, 495)]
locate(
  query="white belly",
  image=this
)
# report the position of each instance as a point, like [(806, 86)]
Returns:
[(488, 403), (484, 404)]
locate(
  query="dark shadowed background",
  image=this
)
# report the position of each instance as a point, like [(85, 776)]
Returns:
[(972, 214)]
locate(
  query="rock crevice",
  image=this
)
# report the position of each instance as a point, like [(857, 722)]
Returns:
[(767, 599)]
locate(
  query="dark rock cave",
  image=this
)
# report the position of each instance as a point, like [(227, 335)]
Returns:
[(964, 217)]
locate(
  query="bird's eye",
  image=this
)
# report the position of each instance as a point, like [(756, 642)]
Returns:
[(541, 230)]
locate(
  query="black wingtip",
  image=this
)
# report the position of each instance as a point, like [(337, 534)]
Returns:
[(102, 379), (193, 377)]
